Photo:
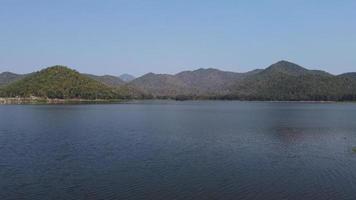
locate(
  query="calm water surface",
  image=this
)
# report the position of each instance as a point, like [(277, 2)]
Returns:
[(178, 150)]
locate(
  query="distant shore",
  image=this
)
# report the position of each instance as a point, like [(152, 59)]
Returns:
[(37, 100), (40, 100)]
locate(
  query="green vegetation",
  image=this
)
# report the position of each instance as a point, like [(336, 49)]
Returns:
[(354, 149), (286, 81), (108, 80), (282, 81), (59, 82), (8, 77)]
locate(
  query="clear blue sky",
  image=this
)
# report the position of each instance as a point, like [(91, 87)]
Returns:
[(167, 36)]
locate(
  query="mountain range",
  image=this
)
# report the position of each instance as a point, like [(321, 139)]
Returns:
[(282, 81)]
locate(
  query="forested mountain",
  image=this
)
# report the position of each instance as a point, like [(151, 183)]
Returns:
[(202, 82), (209, 81), (59, 82), (9, 77), (351, 75), (107, 79), (288, 81), (280, 81), (160, 85)]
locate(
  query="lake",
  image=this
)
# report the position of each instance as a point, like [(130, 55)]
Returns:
[(178, 150)]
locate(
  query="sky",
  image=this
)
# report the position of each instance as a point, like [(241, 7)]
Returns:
[(168, 36)]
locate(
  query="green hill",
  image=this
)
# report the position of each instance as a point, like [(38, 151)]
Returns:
[(287, 81), (201, 83), (9, 77), (108, 80), (59, 82)]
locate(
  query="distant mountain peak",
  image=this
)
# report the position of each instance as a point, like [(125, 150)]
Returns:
[(285, 64), (149, 74), (127, 77), (107, 79), (255, 71), (58, 68), (8, 73), (8, 77), (206, 69), (199, 70), (286, 67)]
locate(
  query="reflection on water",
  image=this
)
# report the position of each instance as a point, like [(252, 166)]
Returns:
[(178, 150)]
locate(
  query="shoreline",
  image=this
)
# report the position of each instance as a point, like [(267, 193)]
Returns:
[(36, 100), (47, 101)]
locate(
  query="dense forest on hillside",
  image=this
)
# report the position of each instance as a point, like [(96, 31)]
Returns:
[(288, 81), (59, 82), (282, 81)]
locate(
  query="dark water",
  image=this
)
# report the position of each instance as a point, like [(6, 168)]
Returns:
[(178, 150)]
